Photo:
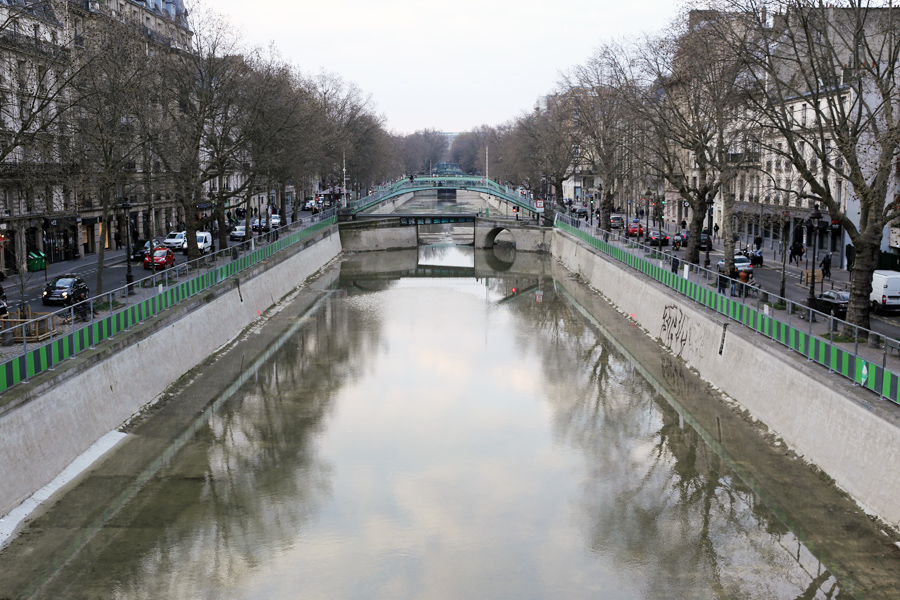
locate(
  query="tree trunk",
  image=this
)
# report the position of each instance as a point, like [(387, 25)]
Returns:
[(692, 254), (861, 279)]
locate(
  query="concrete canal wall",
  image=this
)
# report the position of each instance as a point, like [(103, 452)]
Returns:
[(847, 432), (41, 434), (387, 234)]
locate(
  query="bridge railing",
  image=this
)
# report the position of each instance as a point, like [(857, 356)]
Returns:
[(478, 184), (35, 344), (859, 354)]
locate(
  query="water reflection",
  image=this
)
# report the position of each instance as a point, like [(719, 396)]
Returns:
[(420, 436)]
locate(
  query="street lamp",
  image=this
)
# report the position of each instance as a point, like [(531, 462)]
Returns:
[(647, 214), (814, 217), (709, 224), (129, 277)]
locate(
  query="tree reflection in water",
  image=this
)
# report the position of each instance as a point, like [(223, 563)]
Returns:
[(657, 500)]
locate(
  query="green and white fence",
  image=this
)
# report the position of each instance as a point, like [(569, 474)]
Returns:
[(114, 312), (865, 357)]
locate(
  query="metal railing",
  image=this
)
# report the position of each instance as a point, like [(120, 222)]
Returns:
[(33, 345), (859, 354), (476, 184)]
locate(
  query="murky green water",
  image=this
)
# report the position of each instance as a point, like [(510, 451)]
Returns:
[(451, 433)]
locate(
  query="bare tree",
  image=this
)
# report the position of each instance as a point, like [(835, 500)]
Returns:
[(691, 128), (603, 126), (828, 98), (107, 139)]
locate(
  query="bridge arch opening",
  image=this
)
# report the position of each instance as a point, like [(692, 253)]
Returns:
[(503, 245)]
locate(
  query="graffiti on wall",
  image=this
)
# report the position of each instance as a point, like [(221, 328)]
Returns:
[(681, 335)]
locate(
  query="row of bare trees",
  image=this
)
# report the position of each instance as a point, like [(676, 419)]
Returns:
[(792, 104)]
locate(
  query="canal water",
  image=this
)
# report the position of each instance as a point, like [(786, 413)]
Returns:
[(423, 425)]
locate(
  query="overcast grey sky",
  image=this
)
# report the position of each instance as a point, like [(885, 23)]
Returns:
[(449, 66)]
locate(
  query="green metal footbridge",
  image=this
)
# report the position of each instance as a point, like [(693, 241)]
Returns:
[(448, 182)]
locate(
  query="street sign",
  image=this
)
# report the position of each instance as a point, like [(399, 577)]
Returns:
[(539, 205), (539, 297)]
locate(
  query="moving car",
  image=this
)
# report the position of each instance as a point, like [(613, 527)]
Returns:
[(833, 303), (174, 240), (276, 221), (140, 248), (636, 228), (65, 289), (616, 222), (705, 242), (741, 262), (658, 238), (885, 290), (162, 258), (238, 233)]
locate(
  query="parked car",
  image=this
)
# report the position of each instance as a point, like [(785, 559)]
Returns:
[(741, 262), (276, 221), (616, 222), (65, 289), (162, 258), (174, 240), (636, 228), (238, 233), (885, 293), (254, 224), (833, 303), (204, 243)]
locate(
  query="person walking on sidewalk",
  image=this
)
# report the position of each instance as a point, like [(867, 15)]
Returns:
[(675, 263), (716, 231), (722, 282), (117, 238), (733, 274), (826, 266), (757, 241)]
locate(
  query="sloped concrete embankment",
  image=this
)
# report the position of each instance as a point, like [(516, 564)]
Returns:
[(41, 436), (848, 433)]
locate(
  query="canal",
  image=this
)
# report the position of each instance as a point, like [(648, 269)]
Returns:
[(446, 423)]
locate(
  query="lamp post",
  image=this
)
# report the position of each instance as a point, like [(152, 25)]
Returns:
[(129, 277), (709, 212), (814, 217), (647, 214)]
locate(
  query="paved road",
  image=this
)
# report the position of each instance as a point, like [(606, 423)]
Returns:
[(114, 271)]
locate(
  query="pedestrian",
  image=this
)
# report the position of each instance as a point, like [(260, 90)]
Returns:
[(716, 231), (733, 275), (722, 282), (744, 278), (683, 224), (826, 266), (117, 238), (675, 263), (757, 241)]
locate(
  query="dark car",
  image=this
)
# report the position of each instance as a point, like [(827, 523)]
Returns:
[(658, 238), (162, 258), (833, 303), (616, 222), (65, 289), (141, 248), (705, 242)]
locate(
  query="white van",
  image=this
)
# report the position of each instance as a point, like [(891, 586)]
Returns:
[(204, 242), (885, 290)]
